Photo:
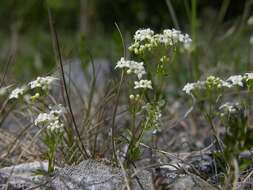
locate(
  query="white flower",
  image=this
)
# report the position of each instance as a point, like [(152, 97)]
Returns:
[(163, 39), (236, 80), (248, 76), (58, 110), (132, 67), (16, 93), (43, 118), (55, 126), (143, 84), (226, 84), (143, 34), (137, 68), (189, 87), (122, 63), (231, 107), (42, 82), (174, 36), (52, 119), (146, 40)]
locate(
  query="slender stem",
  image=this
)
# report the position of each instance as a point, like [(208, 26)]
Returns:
[(210, 121), (114, 116), (173, 14), (6, 68), (117, 98), (55, 35)]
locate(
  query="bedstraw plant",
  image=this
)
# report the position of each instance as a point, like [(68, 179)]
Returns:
[(49, 119), (209, 96), (151, 57)]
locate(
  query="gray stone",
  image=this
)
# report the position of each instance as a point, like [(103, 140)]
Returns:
[(93, 175), (88, 175), (190, 182), (81, 79), (21, 176)]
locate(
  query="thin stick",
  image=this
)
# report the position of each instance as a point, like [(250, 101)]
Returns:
[(117, 99), (6, 70), (173, 14), (55, 38)]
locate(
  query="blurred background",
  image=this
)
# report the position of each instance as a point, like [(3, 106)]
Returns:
[(220, 29)]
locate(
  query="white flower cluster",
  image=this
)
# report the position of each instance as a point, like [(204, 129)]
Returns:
[(52, 119), (235, 80), (248, 76), (232, 81), (230, 107), (189, 87), (171, 37), (146, 39), (143, 84), (42, 82), (145, 34), (240, 80), (136, 68), (17, 92), (132, 67)]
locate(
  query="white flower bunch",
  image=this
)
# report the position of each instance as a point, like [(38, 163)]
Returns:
[(17, 92), (215, 82), (145, 39), (52, 119), (44, 118), (132, 67), (210, 83), (42, 82), (143, 34), (190, 87), (143, 84), (171, 37), (235, 80), (138, 69), (248, 76), (239, 80), (230, 107)]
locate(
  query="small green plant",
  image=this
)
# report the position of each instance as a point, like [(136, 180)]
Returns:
[(147, 92), (208, 96), (53, 132), (50, 123), (238, 136)]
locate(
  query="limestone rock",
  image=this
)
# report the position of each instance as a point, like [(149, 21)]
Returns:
[(93, 175), (21, 176), (190, 182), (88, 175)]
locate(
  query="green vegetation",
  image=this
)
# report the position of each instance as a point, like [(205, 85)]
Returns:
[(177, 68)]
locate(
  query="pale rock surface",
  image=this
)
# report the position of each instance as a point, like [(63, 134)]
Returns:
[(88, 175)]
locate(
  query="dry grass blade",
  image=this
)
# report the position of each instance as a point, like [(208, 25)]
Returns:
[(56, 40)]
